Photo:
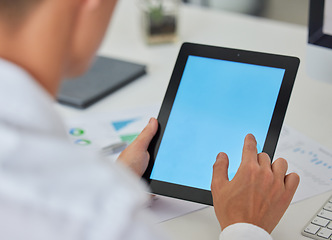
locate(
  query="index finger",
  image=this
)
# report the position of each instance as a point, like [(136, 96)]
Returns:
[(249, 152)]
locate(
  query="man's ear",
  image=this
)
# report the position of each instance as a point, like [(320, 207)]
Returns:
[(92, 21)]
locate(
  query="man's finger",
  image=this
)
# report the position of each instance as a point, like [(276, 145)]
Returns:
[(147, 134), (279, 168), (220, 170), (249, 153), (292, 181), (264, 160)]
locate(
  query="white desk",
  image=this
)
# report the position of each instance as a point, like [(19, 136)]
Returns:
[(309, 110)]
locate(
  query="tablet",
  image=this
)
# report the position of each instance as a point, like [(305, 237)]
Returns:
[(216, 96)]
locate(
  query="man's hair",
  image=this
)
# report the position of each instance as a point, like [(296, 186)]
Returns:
[(15, 10)]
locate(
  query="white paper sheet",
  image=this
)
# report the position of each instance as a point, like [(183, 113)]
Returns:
[(309, 159), (102, 130)]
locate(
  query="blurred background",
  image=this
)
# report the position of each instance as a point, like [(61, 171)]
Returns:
[(292, 11)]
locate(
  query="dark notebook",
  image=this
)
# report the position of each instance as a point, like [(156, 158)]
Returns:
[(105, 76)]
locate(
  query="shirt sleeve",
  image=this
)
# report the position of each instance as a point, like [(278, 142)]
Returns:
[(54, 192), (244, 231)]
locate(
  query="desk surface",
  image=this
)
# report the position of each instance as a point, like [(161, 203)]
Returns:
[(309, 109)]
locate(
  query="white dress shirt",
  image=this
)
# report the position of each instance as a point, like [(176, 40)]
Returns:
[(50, 189)]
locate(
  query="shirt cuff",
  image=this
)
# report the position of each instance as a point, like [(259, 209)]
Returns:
[(244, 231)]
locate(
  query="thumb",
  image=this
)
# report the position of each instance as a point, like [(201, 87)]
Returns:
[(220, 171), (292, 181), (145, 137)]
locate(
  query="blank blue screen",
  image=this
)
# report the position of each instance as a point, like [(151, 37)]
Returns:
[(217, 104)]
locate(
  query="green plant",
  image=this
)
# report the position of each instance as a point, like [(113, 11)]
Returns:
[(156, 11)]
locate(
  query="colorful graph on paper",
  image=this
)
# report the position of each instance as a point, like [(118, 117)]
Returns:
[(104, 129)]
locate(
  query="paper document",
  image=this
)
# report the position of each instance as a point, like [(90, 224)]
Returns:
[(310, 160), (110, 133)]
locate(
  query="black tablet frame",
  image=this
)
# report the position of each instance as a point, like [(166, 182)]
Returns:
[(290, 64)]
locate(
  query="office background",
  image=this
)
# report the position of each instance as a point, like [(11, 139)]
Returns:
[(292, 11)]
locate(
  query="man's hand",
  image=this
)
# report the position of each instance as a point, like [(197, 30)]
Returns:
[(259, 193), (136, 156)]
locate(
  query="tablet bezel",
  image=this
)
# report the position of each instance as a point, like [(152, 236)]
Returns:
[(290, 64)]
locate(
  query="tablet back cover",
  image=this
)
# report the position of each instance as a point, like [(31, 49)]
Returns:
[(105, 76)]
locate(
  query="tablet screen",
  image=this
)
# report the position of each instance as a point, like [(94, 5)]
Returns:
[(218, 102)]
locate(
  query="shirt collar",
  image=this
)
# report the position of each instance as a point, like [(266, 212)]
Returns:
[(24, 104)]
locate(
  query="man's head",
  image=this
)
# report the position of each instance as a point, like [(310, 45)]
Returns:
[(53, 38)]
